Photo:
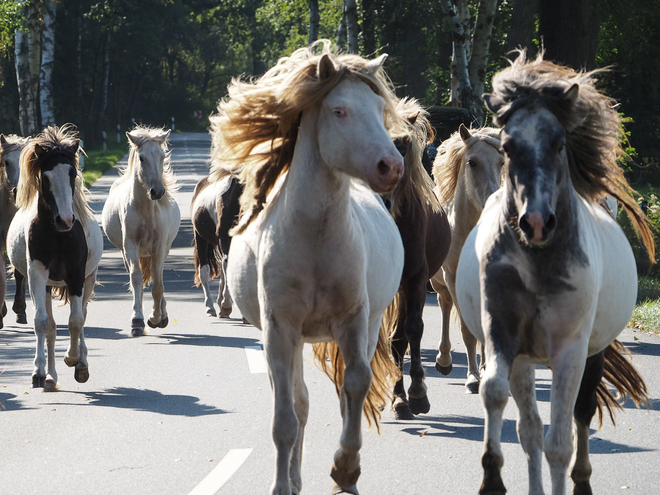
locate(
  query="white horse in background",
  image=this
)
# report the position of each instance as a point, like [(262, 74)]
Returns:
[(141, 218), (316, 257), (10, 152), (55, 241)]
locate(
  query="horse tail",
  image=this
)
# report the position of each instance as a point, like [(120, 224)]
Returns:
[(61, 293), (391, 315), (145, 268), (385, 373), (627, 381)]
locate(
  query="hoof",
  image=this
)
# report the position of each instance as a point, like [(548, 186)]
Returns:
[(420, 405), (38, 381), (81, 374), (402, 410), (225, 312), (445, 370), (211, 312), (336, 489), (21, 318), (345, 481), (472, 385), (582, 488), (138, 332), (51, 385), (163, 323)]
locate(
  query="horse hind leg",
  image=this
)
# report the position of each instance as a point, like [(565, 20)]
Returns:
[(414, 327), (529, 424), (301, 406), (224, 297), (473, 372), (19, 305), (201, 251), (585, 408), (400, 405), (81, 372)]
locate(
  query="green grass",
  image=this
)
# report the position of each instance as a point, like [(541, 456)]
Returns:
[(646, 315), (97, 162)]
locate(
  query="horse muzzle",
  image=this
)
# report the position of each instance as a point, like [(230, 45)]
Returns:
[(537, 227), (156, 193), (386, 176), (64, 224)]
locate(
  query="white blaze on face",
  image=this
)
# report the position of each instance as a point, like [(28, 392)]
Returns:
[(60, 187)]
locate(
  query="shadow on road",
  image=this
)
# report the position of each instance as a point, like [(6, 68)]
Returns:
[(207, 340)]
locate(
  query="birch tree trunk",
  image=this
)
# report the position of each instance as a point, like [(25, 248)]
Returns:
[(463, 8), (460, 55), (34, 65), (47, 62), (350, 9), (314, 19), (480, 48)]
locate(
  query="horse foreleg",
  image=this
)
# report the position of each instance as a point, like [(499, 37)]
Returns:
[(494, 393), (357, 381), (567, 367), (585, 408), (132, 263), (280, 356), (414, 326), (38, 278), (224, 297), (443, 360), (529, 424), (158, 317), (3, 290), (301, 405), (19, 305)]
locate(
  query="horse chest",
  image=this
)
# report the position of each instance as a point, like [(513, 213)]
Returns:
[(64, 254)]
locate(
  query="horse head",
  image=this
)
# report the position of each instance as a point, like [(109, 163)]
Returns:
[(481, 165), (10, 152), (536, 164), (352, 137), (150, 154)]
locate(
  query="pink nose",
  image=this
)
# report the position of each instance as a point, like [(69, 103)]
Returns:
[(389, 171)]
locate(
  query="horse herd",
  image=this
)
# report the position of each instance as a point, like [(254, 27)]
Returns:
[(324, 227)]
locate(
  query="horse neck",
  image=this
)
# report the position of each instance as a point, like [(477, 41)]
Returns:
[(313, 188), (465, 208)]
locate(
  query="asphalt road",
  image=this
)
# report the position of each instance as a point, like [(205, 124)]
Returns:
[(186, 409)]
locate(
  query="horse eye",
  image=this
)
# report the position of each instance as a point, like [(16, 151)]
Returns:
[(471, 164), (339, 112)]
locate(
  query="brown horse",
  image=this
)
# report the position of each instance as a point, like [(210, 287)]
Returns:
[(426, 236)]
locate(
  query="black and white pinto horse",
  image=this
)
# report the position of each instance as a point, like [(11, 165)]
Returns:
[(10, 152), (547, 277), (55, 241), (214, 211)]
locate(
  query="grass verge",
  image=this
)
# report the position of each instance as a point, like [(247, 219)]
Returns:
[(97, 161), (646, 315)]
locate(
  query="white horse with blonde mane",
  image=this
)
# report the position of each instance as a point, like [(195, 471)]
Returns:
[(56, 242), (141, 218), (316, 257), (467, 170)]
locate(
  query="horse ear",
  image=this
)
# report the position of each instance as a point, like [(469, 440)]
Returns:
[(326, 67), (413, 118), (75, 146), (493, 103), (3, 141), (131, 138), (38, 150), (571, 93), (465, 133), (375, 64)]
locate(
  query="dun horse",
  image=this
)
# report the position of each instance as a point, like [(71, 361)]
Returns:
[(316, 257), (141, 218), (547, 276), (56, 242), (467, 170), (10, 152), (214, 210), (425, 233)]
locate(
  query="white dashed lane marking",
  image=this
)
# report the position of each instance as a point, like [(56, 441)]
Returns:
[(256, 359), (221, 474)]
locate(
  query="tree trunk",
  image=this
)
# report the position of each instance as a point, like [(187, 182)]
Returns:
[(341, 31), (106, 76), (47, 62), (480, 50), (523, 26), (569, 29), (368, 27), (350, 9), (34, 65), (464, 17), (460, 56), (314, 19), (22, 65)]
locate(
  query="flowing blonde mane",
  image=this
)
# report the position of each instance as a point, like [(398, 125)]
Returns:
[(451, 158), (144, 134), (255, 129), (593, 129), (62, 140), (416, 180)]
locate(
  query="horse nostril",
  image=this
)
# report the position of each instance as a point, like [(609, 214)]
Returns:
[(551, 223), (383, 168)]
